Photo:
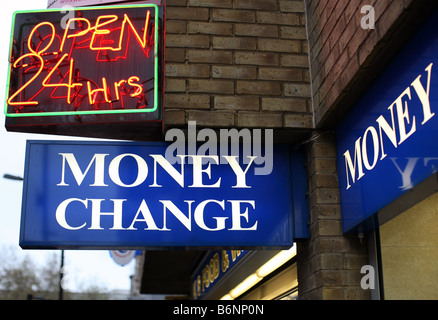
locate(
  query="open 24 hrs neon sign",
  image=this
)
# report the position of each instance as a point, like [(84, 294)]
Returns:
[(99, 61)]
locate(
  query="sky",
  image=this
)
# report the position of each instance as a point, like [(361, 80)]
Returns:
[(84, 267)]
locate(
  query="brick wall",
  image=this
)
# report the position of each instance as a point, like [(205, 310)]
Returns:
[(342, 52), (329, 262), (237, 63), (344, 60), (244, 63)]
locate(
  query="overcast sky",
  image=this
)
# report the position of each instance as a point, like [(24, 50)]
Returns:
[(84, 267)]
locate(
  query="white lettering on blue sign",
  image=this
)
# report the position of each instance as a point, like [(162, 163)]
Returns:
[(192, 213), (407, 126)]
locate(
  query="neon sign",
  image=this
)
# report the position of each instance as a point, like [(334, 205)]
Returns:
[(102, 62)]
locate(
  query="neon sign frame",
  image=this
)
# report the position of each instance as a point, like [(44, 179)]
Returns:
[(38, 53)]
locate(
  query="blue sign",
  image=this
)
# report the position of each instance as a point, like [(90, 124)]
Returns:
[(212, 268), (127, 195), (388, 143)]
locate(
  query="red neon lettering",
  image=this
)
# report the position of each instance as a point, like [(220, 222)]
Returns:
[(116, 88), (26, 103), (78, 34), (92, 94), (139, 87), (93, 39), (97, 31), (142, 42), (35, 29), (100, 32), (70, 85)]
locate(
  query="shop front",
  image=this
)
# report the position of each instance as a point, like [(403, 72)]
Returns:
[(351, 135), (246, 275), (387, 166)]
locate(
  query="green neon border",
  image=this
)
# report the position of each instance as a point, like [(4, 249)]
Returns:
[(93, 112)]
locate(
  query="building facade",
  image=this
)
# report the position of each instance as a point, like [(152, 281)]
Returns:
[(337, 80), (347, 53), (300, 67), (233, 64)]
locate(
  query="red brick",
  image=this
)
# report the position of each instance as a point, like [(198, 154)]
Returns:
[(389, 16)]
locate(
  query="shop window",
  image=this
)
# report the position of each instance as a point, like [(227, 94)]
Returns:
[(409, 252), (283, 286)]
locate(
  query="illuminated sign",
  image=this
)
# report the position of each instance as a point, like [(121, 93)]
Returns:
[(78, 3), (83, 3), (387, 144), (93, 66), (124, 195), (213, 267)]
